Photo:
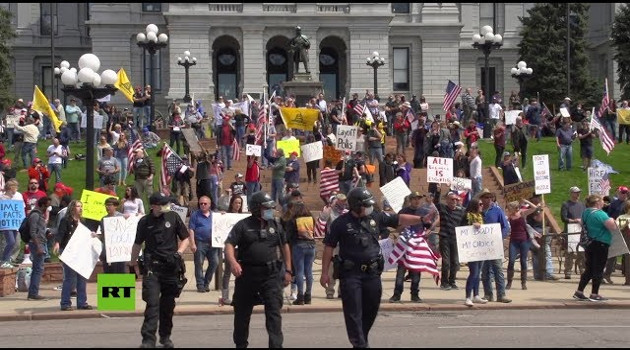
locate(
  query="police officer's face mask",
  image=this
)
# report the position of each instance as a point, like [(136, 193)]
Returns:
[(369, 210), (267, 214)]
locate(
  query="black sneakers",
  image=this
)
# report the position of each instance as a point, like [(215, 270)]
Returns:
[(395, 298), (579, 296), (596, 297)]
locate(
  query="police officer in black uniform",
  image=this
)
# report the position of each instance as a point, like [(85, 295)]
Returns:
[(258, 269), (161, 282), (360, 262)]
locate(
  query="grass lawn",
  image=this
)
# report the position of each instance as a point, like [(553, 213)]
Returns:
[(561, 181)]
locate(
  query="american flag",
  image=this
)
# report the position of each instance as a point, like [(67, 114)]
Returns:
[(260, 124), (328, 182), (452, 91), (131, 153), (358, 109), (605, 185), (413, 251), (545, 112), (607, 142), (236, 151), (410, 117), (605, 101), (171, 162)]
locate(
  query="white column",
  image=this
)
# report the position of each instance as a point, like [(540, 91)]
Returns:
[(254, 67)]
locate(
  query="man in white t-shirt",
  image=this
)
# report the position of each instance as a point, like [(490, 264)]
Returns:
[(55, 152), (494, 111)]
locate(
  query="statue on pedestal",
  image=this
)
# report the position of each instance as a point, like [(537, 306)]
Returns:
[(299, 46)]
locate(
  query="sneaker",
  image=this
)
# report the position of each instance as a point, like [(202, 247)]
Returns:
[(468, 302), (293, 296), (206, 288), (85, 307), (477, 299), (67, 308), (596, 297), (489, 297), (330, 296), (415, 299), (395, 298), (454, 286), (504, 300), (201, 290), (445, 287), (36, 297), (580, 296), (167, 343)]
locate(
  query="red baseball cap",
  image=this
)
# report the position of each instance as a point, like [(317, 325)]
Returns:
[(623, 189)]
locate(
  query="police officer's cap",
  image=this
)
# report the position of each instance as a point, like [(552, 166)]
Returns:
[(158, 198), (260, 200), (359, 197)]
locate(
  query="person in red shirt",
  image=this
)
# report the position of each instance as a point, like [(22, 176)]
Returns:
[(38, 171), (226, 140), (401, 126), (252, 176), (32, 195), (109, 186), (470, 133)]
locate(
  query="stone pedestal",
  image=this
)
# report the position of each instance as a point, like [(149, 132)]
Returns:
[(7, 281), (303, 87)]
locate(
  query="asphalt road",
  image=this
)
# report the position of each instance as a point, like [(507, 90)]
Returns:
[(473, 328)]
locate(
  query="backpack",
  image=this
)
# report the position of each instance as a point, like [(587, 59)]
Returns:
[(25, 229)]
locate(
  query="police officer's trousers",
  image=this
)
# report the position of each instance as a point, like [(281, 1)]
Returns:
[(253, 281), (158, 291), (361, 297)]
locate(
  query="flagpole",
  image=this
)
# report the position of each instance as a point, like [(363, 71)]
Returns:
[(265, 119)]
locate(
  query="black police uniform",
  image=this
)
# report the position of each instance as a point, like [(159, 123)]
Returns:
[(258, 242), (161, 269), (361, 265)]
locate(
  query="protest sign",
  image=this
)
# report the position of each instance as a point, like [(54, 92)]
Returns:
[(312, 151), (573, 237), (253, 150), (222, 224), (119, 236), (485, 243), (598, 182), (82, 251), (94, 204), (565, 112), (510, 116), (387, 247), (439, 170), (461, 184), (518, 191), (181, 211), (623, 116), (11, 214), (395, 192), (346, 137), (542, 177), (243, 106), (289, 146), (244, 201), (332, 154), (98, 121), (618, 245)]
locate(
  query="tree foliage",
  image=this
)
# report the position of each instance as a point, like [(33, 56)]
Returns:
[(621, 42), (544, 48), (7, 33)]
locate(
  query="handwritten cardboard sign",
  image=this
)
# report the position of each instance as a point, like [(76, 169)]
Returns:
[(346, 137), (510, 116), (312, 151), (181, 211), (395, 192), (596, 178), (119, 236), (439, 170), (253, 150), (11, 214), (94, 204), (485, 243), (518, 191), (222, 224), (289, 146), (461, 184)]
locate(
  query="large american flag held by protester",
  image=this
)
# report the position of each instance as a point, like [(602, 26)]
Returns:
[(452, 91), (607, 142), (131, 154), (545, 112), (413, 251), (236, 151), (171, 162)]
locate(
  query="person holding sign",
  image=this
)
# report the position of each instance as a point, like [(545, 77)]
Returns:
[(519, 239), (450, 216), (69, 223), (571, 213), (10, 236), (473, 217), (111, 204)]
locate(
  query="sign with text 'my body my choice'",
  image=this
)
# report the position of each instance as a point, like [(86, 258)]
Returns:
[(439, 170), (542, 176), (485, 243), (120, 233), (11, 214)]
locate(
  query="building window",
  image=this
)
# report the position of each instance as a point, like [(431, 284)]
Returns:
[(487, 16), (157, 70), (401, 69), (48, 18), (493, 81), (400, 7), (152, 7), (227, 73)]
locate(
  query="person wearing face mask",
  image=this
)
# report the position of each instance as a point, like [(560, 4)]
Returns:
[(165, 239), (258, 269), (360, 261)]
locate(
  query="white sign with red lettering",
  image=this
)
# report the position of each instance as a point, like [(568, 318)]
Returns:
[(439, 170), (542, 176)]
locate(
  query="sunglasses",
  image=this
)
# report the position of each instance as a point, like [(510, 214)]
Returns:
[(204, 203)]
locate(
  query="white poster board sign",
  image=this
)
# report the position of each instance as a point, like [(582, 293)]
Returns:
[(542, 176), (222, 225), (573, 240), (485, 243), (596, 176), (312, 151), (565, 112), (618, 245), (82, 252), (461, 184), (119, 235), (181, 211), (346, 137), (244, 205), (387, 247), (439, 170), (253, 150), (98, 121), (510, 116), (395, 192)]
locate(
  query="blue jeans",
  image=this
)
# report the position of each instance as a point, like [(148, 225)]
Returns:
[(376, 153), (516, 248), (226, 156), (138, 120), (252, 187), (122, 175), (276, 189), (75, 131), (303, 254), (548, 260), (28, 149), (490, 269), (9, 240), (71, 279), (240, 132), (214, 189), (400, 281), (205, 251), (9, 132), (37, 269), (472, 282), (147, 116), (56, 168), (566, 157), (476, 185)]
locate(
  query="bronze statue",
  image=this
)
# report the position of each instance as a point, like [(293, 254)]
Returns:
[(299, 46)]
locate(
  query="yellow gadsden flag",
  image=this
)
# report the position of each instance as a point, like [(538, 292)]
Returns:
[(623, 116), (41, 105), (124, 85), (299, 118)]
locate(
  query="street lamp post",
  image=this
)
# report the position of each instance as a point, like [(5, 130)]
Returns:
[(63, 67), (521, 73), (89, 86), (375, 61), (187, 62), (152, 42), (486, 41)]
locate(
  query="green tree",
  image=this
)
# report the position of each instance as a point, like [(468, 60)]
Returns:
[(621, 42), (544, 46), (7, 33)]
